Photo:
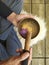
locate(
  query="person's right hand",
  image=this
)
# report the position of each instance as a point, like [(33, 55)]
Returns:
[(15, 60)]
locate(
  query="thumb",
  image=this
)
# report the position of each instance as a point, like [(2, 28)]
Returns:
[(24, 56)]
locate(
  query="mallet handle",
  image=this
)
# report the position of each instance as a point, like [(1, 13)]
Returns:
[(27, 47), (27, 41)]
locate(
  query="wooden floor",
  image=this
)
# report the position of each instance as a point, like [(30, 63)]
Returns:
[(41, 50)]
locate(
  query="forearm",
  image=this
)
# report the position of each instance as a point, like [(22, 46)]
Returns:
[(7, 13), (13, 18)]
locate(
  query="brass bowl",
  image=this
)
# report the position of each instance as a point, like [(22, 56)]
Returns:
[(28, 25)]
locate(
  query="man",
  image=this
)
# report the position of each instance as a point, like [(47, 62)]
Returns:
[(8, 35)]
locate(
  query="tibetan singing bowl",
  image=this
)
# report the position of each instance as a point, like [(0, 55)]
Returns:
[(28, 25)]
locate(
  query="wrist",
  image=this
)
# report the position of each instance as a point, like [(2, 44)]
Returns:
[(12, 18)]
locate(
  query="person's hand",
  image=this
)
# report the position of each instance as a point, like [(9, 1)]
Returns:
[(16, 60), (30, 55), (22, 16), (15, 18)]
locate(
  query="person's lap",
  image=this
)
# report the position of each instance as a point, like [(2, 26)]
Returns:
[(12, 43)]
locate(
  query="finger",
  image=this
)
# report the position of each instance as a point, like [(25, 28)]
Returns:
[(26, 15), (23, 16), (19, 50), (24, 56), (30, 56), (30, 52)]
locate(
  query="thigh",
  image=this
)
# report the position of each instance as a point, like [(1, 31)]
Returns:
[(13, 43), (3, 53), (17, 6)]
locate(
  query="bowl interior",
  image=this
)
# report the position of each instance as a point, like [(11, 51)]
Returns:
[(28, 25)]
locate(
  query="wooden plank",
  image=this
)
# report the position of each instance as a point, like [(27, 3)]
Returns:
[(47, 37), (47, 61), (39, 50), (38, 9), (38, 62), (37, 1), (27, 7), (47, 1), (27, 1)]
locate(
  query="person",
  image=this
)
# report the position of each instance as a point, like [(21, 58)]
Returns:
[(10, 17)]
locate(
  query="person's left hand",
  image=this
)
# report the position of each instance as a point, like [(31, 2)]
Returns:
[(16, 18)]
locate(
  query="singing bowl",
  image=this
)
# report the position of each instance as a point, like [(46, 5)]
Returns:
[(28, 25)]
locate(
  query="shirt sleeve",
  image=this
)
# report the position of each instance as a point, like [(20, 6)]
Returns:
[(5, 11)]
